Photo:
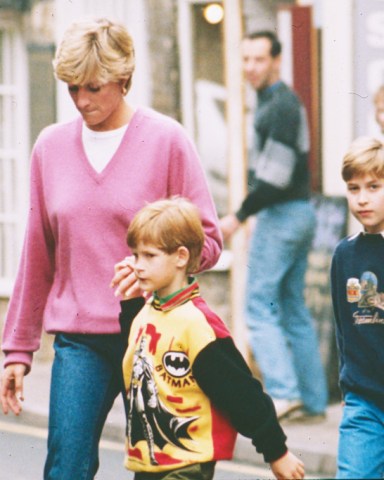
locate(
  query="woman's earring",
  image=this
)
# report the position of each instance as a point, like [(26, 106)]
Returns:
[(124, 91)]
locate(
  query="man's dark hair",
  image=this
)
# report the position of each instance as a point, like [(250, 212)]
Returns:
[(275, 42)]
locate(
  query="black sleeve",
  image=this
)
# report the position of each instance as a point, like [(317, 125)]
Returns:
[(223, 375), (129, 310), (262, 195)]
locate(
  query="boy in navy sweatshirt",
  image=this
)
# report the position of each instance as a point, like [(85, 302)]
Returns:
[(189, 390), (357, 276)]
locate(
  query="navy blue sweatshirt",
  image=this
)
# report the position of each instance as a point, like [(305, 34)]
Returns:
[(357, 276)]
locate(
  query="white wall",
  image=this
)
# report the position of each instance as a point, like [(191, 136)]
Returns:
[(337, 88)]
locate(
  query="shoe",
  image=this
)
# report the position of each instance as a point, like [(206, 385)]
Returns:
[(284, 407), (305, 418)]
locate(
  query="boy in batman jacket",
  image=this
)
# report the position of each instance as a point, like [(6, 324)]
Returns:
[(189, 390)]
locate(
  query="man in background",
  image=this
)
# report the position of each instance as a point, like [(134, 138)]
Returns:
[(282, 333)]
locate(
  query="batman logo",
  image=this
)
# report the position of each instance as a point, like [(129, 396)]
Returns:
[(176, 364)]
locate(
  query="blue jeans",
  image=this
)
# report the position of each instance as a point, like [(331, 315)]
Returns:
[(86, 378), (361, 441), (282, 333)]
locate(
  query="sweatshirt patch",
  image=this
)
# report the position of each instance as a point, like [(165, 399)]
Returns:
[(370, 301)]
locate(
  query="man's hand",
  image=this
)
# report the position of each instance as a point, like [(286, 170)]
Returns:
[(228, 225), (11, 392), (288, 467), (125, 280)]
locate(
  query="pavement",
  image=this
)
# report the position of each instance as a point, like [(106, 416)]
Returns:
[(315, 444)]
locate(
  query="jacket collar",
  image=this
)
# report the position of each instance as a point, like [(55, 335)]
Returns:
[(177, 298)]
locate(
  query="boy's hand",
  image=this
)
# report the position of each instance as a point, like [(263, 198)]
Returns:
[(11, 392), (125, 280), (288, 466)]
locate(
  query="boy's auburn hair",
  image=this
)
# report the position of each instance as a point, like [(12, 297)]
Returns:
[(169, 224), (365, 156)]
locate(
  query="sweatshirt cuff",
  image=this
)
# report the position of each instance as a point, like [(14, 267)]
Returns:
[(276, 454), (241, 215), (272, 443)]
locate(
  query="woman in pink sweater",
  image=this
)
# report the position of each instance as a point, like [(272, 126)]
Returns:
[(88, 179)]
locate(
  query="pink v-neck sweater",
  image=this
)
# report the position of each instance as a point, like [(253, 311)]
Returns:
[(78, 221)]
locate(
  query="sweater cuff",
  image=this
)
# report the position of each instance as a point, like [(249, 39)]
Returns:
[(19, 357)]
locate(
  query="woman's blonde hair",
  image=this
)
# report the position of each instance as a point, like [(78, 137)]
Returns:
[(169, 224), (95, 51), (365, 156)]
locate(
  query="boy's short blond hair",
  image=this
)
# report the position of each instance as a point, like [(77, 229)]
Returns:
[(92, 51), (365, 156), (169, 224)]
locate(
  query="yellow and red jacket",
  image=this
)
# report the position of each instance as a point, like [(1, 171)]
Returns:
[(189, 390)]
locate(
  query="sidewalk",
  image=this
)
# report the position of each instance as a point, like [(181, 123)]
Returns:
[(316, 445)]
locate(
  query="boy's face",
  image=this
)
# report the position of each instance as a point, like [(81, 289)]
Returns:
[(158, 271), (365, 196)]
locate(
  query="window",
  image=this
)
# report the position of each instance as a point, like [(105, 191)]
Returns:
[(14, 149), (203, 91)]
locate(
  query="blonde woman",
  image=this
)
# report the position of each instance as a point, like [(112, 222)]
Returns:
[(88, 179)]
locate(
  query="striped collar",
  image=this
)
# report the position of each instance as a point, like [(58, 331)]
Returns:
[(177, 298)]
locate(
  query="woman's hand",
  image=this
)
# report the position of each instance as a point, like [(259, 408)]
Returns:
[(11, 392), (124, 281)]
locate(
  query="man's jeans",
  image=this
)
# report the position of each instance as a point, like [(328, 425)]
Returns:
[(86, 378), (361, 445), (282, 333)]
